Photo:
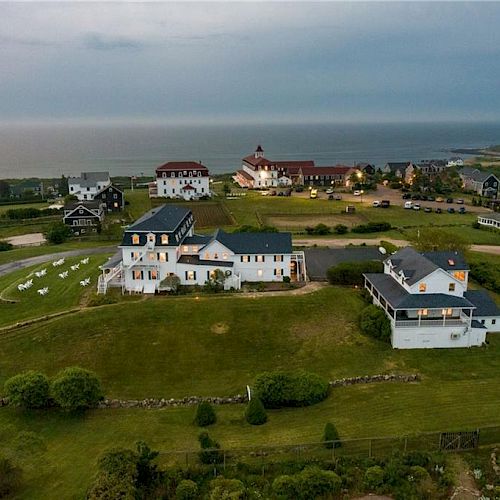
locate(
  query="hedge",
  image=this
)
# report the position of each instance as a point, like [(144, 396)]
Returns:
[(351, 273)]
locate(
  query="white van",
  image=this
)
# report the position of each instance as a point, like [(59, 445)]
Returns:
[(408, 204)]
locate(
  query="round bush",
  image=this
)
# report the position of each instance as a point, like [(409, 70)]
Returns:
[(75, 388), (316, 483), (186, 490), (285, 487), (374, 477), (375, 323), (255, 413), (205, 414), (30, 390), (226, 489), (282, 389), (331, 436)]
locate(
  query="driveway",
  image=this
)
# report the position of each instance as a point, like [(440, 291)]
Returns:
[(40, 259)]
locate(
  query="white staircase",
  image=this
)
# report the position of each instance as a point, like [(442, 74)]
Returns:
[(113, 278)]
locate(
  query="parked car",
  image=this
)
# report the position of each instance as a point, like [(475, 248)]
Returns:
[(439, 199), (449, 200), (460, 201), (406, 196), (451, 210), (415, 197), (423, 197), (416, 206), (427, 210), (431, 198), (438, 210), (408, 204), (299, 189), (385, 204), (313, 194), (357, 193), (376, 203), (337, 196), (329, 191), (461, 210), (281, 193), (265, 193)]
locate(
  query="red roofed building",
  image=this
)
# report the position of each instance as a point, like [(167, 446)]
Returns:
[(181, 179)]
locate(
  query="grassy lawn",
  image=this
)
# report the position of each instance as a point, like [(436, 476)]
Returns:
[(173, 347), (63, 293)]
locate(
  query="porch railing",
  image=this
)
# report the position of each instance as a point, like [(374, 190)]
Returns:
[(430, 322)]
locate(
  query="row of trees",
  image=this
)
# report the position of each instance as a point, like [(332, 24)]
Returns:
[(73, 388)]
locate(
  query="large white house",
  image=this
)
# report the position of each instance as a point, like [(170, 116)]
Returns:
[(163, 243), (88, 184), (186, 180), (425, 297)]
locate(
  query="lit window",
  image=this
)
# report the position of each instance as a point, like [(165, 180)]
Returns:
[(185, 248), (245, 258), (137, 275), (451, 262), (225, 255), (423, 312), (278, 258), (207, 256), (135, 239), (151, 237), (447, 312), (451, 287), (152, 256), (260, 272), (259, 258), (278, 272), (459, 275), (195, 249), (422, 287), (164, 239), (153, 274), (191, 275), (162, 256)]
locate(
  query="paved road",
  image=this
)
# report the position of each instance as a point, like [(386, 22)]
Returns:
[(40, 259)]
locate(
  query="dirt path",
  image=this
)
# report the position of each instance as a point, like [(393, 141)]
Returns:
[(465, 488), (27, 240)]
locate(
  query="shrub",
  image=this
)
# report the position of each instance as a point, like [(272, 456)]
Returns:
[(281, 389), (340, 229), (205, 414), (10, 477), (316, 483), (5, 245), (119, 462), (226, 489), (57, 233), (255, 414), (285, 487), (389, 247), (186, 490), (351, 273), (29, 389), (375, 323), (321, 229), (286, 279), (210, 453), (75, 388), (331, 436), (374, 477), (108, 487)]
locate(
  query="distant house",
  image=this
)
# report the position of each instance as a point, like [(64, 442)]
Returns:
[(456, 161), (481, 182), (83, 217), (88, 184), (366, 168), (339, 175), (425, 297), (398, 169), (26, 187), (111, 197), (187, 180), (432, 167), (489, 220)]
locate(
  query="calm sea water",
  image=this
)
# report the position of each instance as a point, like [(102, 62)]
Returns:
[(49, 151)]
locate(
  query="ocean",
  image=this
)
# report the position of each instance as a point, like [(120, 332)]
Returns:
[(53, 150)]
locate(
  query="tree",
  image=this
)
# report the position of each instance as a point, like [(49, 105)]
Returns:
[(340, 229), (205, 414), (226, 489), (171, 282), (375, 323), (147, 472), (216, 281), (4, 189), (29, 389), (331, 436), (430, 239), (209, 453), (255, 413), (226, 189), (57, 233), (186, 490), (76, 388)]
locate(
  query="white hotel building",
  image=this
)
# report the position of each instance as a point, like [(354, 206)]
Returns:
[(163, 243), (185, 180)]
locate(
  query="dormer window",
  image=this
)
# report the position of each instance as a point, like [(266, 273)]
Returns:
[(151, 237), (422, 287), (135, 239), (164, 239), (451, 262)]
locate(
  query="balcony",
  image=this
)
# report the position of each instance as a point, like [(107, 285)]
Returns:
[(430, 323)]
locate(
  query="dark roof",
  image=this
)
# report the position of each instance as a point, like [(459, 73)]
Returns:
[(255, 243), (163, 218), (294, 164), (88, 179), (113, 261), (448, 261), (485, 305), (477, 324), (259, 149), (196, 261), (336, 170), (399, 298), (393, 166), (492, 216), (244, 174), (90, 204), (181, 165), (476, 174), (106, 188), (413, 264), (197, 239), (255, 162)]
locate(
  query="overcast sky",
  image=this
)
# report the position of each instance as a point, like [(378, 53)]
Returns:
[(250, 61)]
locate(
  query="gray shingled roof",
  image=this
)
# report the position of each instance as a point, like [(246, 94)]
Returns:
[(485, 305), (255, 243), (196, 261), (163, 218), (90, 204), (477, 324), (197, 239), (399, 298), (89, 179), (444, 259), (413, 264)]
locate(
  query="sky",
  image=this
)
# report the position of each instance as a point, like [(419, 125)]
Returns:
[(250, 62)]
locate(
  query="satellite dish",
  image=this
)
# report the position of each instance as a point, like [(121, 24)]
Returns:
[(382, 250)]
